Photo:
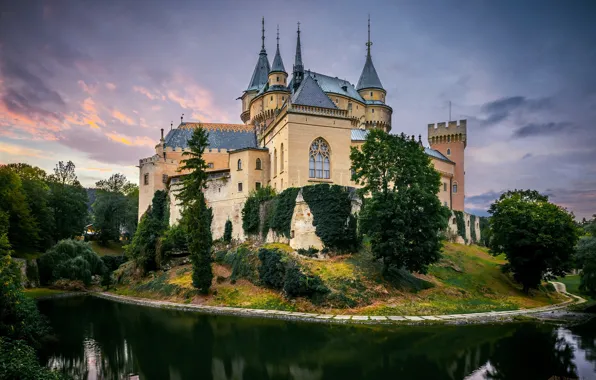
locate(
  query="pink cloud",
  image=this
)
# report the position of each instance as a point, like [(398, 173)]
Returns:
[(130, 140), (111, 86), (196, 99), (153, 96), (89, 89), (122, 117), (16, 150)]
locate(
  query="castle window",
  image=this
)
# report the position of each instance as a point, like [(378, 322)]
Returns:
[(239, 187), (164, 178), (319, 159), (257, 185), (336, 100), (281, 164), (258, 166), (283, 98), (446, 204), (275, 161), (210, 165), (454, 188), (239, 164), (444, 186), (371, 94), (146, 179), (277, 78), (373, 110), (448, 138), (448, 152), (282, 184), (349, 106)]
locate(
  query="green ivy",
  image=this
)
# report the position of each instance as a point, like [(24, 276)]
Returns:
[(279, 218), (473, 229), (461, 224), (250, 212), (331, 207)]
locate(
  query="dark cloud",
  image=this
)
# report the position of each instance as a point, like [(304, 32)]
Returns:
[(499, 110), (542, 129), (526, 156)]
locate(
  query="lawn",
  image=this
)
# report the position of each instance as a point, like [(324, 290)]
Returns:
[(572, 283), (41, 292), (112, 249)]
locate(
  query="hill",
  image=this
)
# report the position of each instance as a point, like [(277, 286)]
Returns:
[(467, 279)]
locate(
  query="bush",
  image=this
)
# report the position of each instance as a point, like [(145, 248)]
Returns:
[(461, 224), (331, 207), (227, 236), (244, 263), (32, 273), (271, 270), (173, 241), (310, 252), (18, 361), (297, 283), (113, 262), (70, 259), (250, 211)]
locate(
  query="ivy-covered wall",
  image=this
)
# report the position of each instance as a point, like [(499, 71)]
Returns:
[(464, 228)]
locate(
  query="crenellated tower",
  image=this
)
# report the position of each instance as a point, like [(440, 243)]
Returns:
[(451, 139)]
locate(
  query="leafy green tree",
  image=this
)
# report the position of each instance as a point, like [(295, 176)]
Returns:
[(227, 236), (23, 229), (116, 201), (196, 216), (154, 222), (403, 216), (537, 237), (68, 201), (72, 260), (585, 257)]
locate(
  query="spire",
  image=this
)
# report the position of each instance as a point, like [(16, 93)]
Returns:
[(278, 64), (369, 77), (261, 72), (298, 66)]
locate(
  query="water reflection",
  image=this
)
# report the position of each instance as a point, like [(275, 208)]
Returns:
[(100, 339)]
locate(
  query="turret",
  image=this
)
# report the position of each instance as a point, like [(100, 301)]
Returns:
[(369, 85), (451, 139), (259, 77), (278, 75), (298, 70)]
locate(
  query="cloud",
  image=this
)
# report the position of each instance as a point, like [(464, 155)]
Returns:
[(149, 94), (499, 110), (131, 140), (122, 117), (196, 99), (541, 129), (111, 86), (527, 155), (16, 150), (89, 89)]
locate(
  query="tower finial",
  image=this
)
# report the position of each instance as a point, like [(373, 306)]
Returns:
[(369, 43), (263, 33), (278, 36)]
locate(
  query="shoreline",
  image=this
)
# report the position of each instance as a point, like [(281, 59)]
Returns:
[(544, 313)]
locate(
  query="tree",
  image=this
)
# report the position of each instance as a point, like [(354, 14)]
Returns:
[(115, 207), (68, 201), (403, 216), (227, 236), (195, 215), (585, 257), (23, 229), (537, 237)]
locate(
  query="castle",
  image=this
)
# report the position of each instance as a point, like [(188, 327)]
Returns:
[(294, 133)]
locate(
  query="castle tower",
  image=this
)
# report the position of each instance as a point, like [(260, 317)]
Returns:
[(298, 70), (369, 85), (451, 139), (278, 75), (259, 77)]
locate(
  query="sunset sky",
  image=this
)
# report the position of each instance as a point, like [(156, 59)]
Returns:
[(94, 81)]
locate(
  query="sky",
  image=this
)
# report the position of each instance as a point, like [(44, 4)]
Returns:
[(94, 81)]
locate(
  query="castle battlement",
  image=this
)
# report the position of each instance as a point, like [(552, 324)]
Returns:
[(447, 132)]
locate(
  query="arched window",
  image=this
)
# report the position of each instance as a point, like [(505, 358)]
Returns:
[(454, 188), (448, 152), (444, 186), (258, 166), (281, 163), (274, 161), (320, 159), (239, 164)]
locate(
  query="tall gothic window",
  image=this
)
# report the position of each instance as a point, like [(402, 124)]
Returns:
[(319, 159), (258, 164), (239, 164), (281, 163), (275, 161)]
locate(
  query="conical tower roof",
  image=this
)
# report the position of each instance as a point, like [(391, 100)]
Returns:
[(369, 77), (278, 63), (261, 73)]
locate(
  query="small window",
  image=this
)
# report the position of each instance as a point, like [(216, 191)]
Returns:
[(282, 184), (371, 94), (448, 152), (446, 204), (210, 165), (336, 100), (373, 110), (257, 185), (271, 97), (283, 98), (455, 188), (239, 164), (164, 178), (146, 179), (277, 79), (239, 187), (444, 186), (258, 166)]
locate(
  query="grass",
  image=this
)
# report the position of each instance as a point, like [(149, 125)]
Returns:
[(41, 292), (572, 282), (112, 249), (466, 280)]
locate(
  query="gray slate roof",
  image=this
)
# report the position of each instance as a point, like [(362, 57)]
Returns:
[(369, 77), (218, 139), (278, 63), (360, 135), (310, 94), (260, 75), (333, 85)]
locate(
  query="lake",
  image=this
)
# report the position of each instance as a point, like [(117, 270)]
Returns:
[(100, 339)]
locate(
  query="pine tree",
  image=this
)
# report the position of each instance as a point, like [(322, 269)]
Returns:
[(227, 237), (196, 216)]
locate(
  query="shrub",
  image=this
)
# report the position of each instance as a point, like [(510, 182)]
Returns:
[(173, 241), (70, 259), (20, 362), (244, 263), (297, 283), (250, 211), (331, 207), (113, 262), (310, 252), (271, 270), (473, 229), (284, 209), (227, 236), (32, 273), (461, 224)]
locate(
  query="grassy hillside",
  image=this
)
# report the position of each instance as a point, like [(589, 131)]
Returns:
[(112, 249), (572, 283), (466, 280)]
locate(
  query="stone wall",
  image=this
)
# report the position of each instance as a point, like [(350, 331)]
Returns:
[(452, 228)]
